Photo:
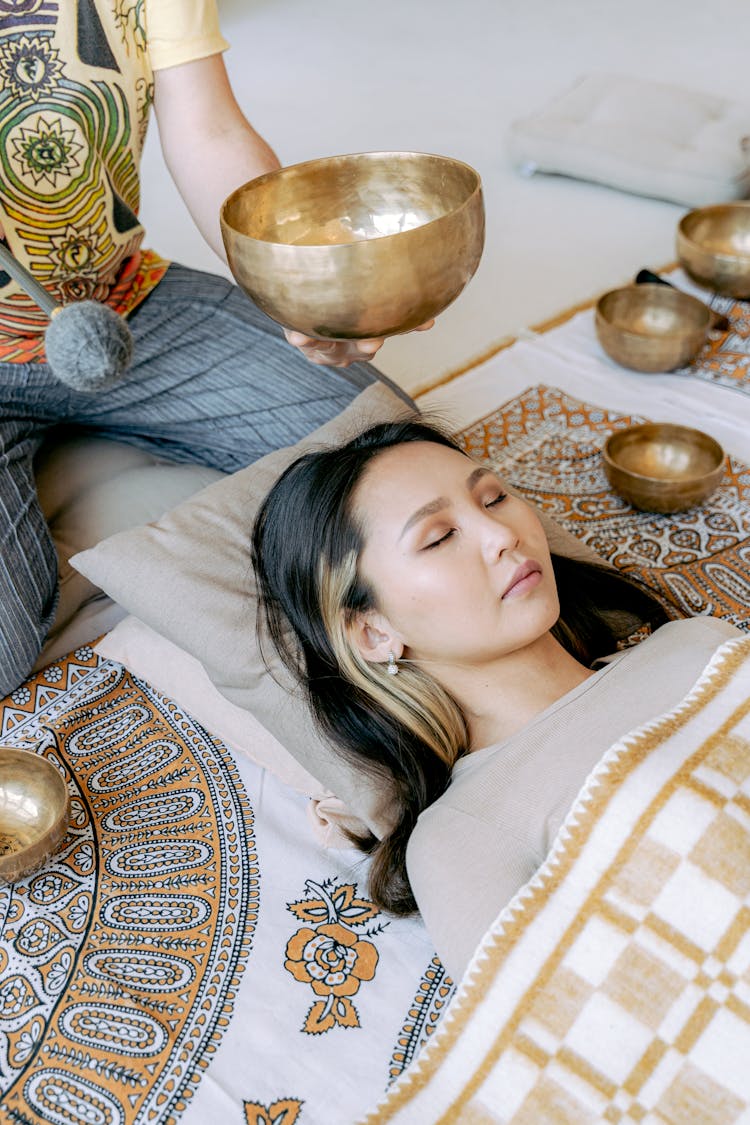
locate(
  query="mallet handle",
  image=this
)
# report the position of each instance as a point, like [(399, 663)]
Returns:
[(19, 273)]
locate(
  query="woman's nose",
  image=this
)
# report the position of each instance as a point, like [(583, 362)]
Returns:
[(498, 536)]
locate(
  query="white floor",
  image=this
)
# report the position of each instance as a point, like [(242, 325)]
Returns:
[(318, 77)]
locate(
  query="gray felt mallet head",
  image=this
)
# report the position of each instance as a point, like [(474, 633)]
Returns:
[(88, 345)]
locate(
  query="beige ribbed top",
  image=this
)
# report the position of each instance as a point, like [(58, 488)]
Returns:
[(484, 838)]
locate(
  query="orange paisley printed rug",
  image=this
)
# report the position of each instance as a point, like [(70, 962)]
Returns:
[(120, 958), (725, 358), (547, 444)]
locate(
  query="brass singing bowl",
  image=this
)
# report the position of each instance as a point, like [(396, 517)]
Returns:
[(351, 247), (34, 812), (713, 245), (662, 467), (651, 327)]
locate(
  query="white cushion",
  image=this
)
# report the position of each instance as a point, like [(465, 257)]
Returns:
[(651, 138)]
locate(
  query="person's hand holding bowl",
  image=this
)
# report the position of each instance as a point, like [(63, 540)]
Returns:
[(346, 251), (339, 353)]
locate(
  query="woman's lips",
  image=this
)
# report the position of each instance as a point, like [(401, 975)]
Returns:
[(528, 575)]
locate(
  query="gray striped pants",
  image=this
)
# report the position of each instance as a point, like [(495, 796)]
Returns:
[(213, 382)]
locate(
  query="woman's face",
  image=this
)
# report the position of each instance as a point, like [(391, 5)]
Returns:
[(461, 571)]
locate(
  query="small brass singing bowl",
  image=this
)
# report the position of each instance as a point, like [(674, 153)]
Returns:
[(350, 247), (651, 327), (713, 246), (34, 812), (661, 467)]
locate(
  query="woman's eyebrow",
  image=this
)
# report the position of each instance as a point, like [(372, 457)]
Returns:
[(441, 502), (428, 509), (477, 475)]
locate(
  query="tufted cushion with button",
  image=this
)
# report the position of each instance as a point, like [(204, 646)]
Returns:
[(650, 138)]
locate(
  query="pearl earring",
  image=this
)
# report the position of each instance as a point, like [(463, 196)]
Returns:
[(392, 668)]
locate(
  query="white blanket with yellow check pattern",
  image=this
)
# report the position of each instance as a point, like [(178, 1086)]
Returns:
[(616, 985)]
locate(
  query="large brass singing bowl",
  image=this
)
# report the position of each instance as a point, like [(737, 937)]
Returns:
[(661, 467), (350, 247), (34, 812), (713, 245), (651, 327)]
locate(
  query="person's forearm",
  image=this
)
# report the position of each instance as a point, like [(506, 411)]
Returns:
[(208, 144), (232, 159)]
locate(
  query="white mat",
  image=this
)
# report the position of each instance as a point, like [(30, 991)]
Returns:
[(571, 358)]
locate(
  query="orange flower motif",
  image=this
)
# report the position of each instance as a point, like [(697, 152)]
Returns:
[(331, 959), (284, 1112), (331, 1012)]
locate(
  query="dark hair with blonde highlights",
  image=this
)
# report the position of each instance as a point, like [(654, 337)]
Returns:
[(306, 546)]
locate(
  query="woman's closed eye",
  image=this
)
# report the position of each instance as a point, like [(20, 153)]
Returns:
[(492, 502), (441, 539), (496, 500)]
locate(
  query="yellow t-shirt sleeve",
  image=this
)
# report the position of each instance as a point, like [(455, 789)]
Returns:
[(181, 31)]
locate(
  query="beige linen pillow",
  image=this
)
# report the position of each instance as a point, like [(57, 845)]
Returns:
[(189, 576)]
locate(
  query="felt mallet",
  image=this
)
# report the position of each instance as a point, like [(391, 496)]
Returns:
[(88, 345)]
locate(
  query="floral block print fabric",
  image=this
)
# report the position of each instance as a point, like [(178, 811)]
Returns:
[(548, 445), (190, 952), (615, 986)]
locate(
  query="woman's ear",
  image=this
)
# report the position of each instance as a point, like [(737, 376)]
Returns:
[(374, 638)]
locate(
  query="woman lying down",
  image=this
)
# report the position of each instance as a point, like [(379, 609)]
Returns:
[(439, 640)]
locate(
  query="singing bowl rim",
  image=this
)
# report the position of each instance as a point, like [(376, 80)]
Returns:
[(633, 431), (651, 337), (342, 158), (722, 255), (392, 282), (15, 865)]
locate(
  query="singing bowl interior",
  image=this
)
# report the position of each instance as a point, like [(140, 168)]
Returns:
[(713, 245), (345, 199), (663, 467), (367, 244), (651, 327), (33, 812)]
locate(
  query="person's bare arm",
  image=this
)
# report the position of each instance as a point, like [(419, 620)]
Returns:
[(209, 146)]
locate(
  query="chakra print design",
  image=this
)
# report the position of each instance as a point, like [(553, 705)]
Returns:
[(76, 252), (144, 94), (46, 151), (76, 88), (120, 959), (29, 68), (14, 12), (328, 953), (129, 19)]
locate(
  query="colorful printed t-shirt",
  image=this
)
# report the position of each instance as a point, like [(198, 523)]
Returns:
[(76, 86)]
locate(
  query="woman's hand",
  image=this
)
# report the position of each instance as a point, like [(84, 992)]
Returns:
[(339, 353)]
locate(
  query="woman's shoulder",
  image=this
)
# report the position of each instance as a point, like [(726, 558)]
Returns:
[(701, 629), (676, 650)]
